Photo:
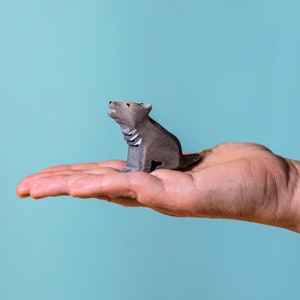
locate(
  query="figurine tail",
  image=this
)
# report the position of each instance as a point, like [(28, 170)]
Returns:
[(190, 159)]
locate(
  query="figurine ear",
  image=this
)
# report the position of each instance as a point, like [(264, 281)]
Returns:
[(147, 107)]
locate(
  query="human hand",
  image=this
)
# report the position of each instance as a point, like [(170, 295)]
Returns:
[(234, 180)]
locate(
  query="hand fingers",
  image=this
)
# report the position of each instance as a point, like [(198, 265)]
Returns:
[(97, 186), (51, 186), (55, 184), (23, 188), (116, 164), (128, 188), (110, 187)]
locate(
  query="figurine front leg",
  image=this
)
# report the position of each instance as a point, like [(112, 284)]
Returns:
[(134, 162)]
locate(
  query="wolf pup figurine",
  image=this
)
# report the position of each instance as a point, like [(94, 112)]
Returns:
[(150, 146)]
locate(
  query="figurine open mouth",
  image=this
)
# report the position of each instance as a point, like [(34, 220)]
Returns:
[(111, 112)]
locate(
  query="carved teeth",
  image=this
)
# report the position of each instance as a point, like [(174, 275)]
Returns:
[(138, 143), (134, 137), (132, 132)]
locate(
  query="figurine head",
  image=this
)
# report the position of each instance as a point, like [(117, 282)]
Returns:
[(129, 114)]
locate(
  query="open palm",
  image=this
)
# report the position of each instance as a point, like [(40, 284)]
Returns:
[(234, 180)]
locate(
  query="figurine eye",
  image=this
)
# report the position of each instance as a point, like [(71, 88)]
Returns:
[(128, 104)]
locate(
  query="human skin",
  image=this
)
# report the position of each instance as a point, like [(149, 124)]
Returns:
[(241, 181)]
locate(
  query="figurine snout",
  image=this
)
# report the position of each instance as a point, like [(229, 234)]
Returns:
[(112, 110), (111, 104)]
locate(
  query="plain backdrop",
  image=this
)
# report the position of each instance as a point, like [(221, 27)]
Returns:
[(214, 71)]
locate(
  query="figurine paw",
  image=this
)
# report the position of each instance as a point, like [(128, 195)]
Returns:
[(129, 169)]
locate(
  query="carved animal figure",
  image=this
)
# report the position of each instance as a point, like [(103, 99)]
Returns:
[(150, 146)]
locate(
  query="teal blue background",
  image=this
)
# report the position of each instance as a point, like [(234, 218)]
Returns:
[(214, 71)]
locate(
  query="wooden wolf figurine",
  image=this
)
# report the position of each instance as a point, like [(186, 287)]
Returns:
[(150, 146)]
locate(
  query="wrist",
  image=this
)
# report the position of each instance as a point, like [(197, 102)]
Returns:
[(294, 195)]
